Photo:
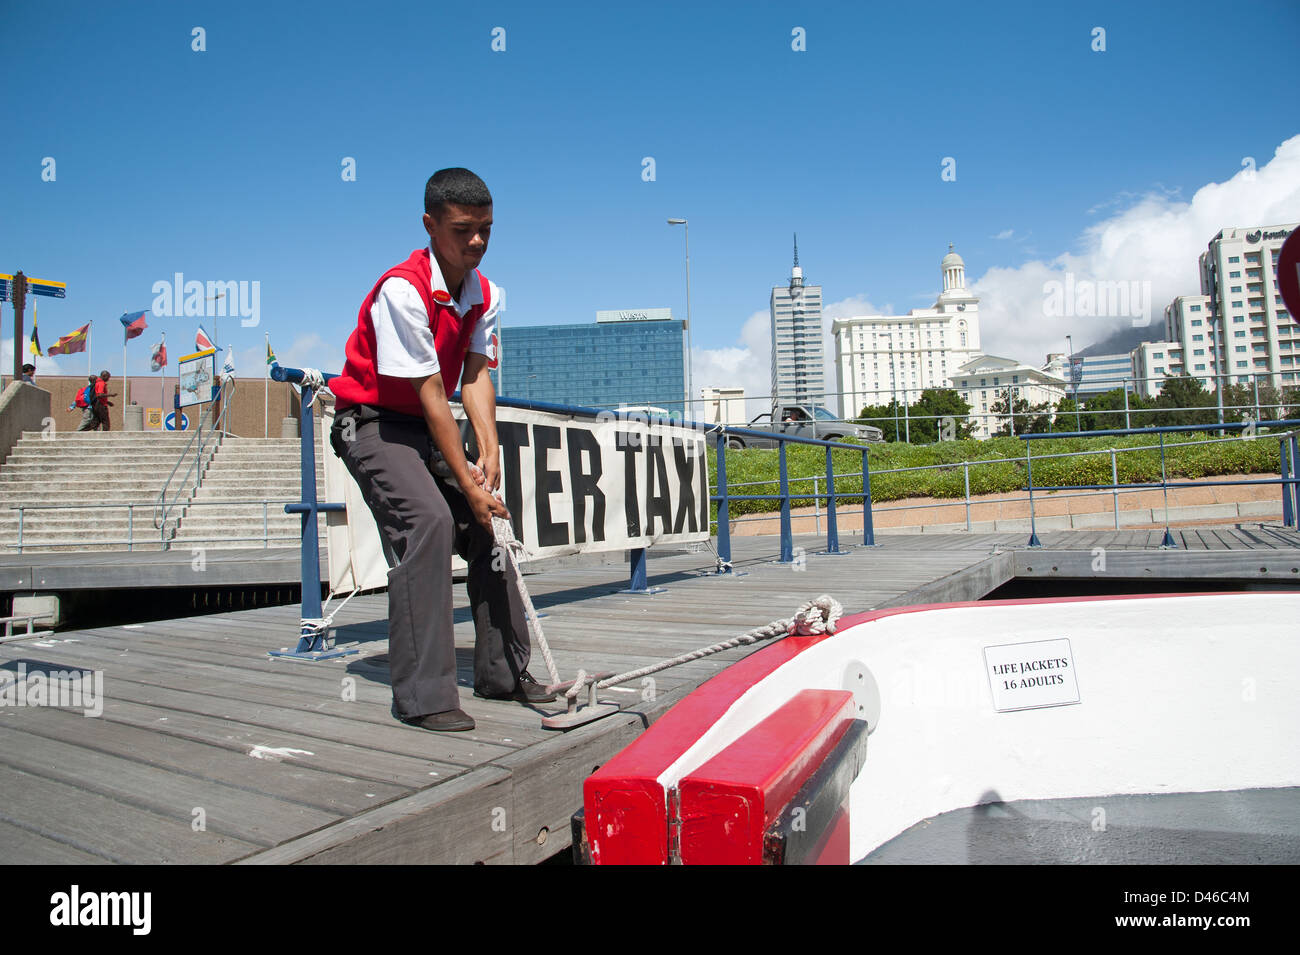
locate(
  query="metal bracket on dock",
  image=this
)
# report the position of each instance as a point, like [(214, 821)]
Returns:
[(312, 646), (578, 715)]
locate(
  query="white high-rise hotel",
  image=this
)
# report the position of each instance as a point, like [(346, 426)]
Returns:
[(882, 357), (1238, 329), (1239, 279), (798, 357)]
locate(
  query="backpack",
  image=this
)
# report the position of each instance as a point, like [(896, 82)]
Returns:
[(86, 397)]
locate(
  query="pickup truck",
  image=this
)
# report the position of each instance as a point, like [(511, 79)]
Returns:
[(803, 421)]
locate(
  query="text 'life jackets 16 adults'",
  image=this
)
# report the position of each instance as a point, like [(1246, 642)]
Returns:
[(361, 384)]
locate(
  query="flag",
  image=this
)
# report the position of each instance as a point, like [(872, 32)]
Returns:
[(72, 342), (134, 324), (228, 367), (36, 341), (201, 341), (270, 355), (158, 360)]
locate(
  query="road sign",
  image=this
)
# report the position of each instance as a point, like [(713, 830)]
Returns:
[(170, 423), (34, 287)]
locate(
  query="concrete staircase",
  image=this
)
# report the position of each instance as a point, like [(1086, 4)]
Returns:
[(124, 469), (127, 470), (250, 469)]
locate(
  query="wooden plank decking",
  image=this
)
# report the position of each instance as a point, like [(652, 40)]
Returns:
[(209, 751)]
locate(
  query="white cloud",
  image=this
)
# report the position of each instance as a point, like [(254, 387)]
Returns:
[(748, 364), (1004, 234), (1155, 242)]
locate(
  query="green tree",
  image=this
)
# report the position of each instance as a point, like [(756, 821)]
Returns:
[(1105, 412), (1179, 394), (888, 418), (1026, 419), (1290, 400), (932, 408)]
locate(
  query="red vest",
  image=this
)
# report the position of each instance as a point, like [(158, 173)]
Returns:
[(361, 384)]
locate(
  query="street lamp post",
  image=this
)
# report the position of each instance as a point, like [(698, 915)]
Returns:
[(1078, 423), (689, 393)]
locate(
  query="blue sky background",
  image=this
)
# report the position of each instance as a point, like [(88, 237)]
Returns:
[(225, 164)]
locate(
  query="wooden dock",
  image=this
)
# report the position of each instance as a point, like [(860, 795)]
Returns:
[(209, 751)]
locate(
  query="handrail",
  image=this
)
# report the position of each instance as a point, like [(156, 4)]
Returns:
[(129, 506), (163, 508), (1286, 480)]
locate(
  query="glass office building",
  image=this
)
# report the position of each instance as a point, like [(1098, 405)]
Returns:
[(602, 365)]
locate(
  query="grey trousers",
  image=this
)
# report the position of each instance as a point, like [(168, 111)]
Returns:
[(422, 518)]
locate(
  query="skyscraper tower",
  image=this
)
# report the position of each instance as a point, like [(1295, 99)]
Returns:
[(798, 370)]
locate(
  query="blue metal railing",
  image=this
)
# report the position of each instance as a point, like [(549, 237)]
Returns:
[(309, 506), (1287, 478), (723, 498)]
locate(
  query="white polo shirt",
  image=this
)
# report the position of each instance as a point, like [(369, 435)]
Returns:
[(404, 346)]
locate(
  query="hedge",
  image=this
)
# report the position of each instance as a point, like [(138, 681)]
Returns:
[(1234, 456)]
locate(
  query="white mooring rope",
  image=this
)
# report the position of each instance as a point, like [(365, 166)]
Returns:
[(814, 617)]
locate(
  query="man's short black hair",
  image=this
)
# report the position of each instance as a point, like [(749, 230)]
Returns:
[(29, 368), (457, 186)]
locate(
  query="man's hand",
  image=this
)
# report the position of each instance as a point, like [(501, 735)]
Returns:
[(488, 473), (485, 506), (478, 398)]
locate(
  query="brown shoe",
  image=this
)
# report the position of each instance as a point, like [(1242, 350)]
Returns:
[(449, 721), (527, 690)]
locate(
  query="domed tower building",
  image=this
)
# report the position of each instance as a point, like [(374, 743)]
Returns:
[(882, 358)]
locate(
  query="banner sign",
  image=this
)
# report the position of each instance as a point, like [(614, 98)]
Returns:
[(197, 377), (572, 485)]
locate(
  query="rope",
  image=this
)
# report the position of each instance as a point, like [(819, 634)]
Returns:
[(815, 616), (319, 626), (504, 535), (313, 379)]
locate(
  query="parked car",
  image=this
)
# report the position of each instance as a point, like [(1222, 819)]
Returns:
[(803, 421)]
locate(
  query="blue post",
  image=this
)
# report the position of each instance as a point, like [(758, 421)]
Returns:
[(1285, 469), (637, 583), (787, 537), (311, 641), (1295, 480), (1168, 541), (868, 526), (832, 532), (1033, 523), (310, 541), (724, 513)]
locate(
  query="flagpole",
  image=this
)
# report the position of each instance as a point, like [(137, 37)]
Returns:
[(266, 392), (90, 327)]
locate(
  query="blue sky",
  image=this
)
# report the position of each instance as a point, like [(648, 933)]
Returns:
[(225, 164)]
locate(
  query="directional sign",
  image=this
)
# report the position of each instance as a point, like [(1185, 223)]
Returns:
[(34, 287)]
